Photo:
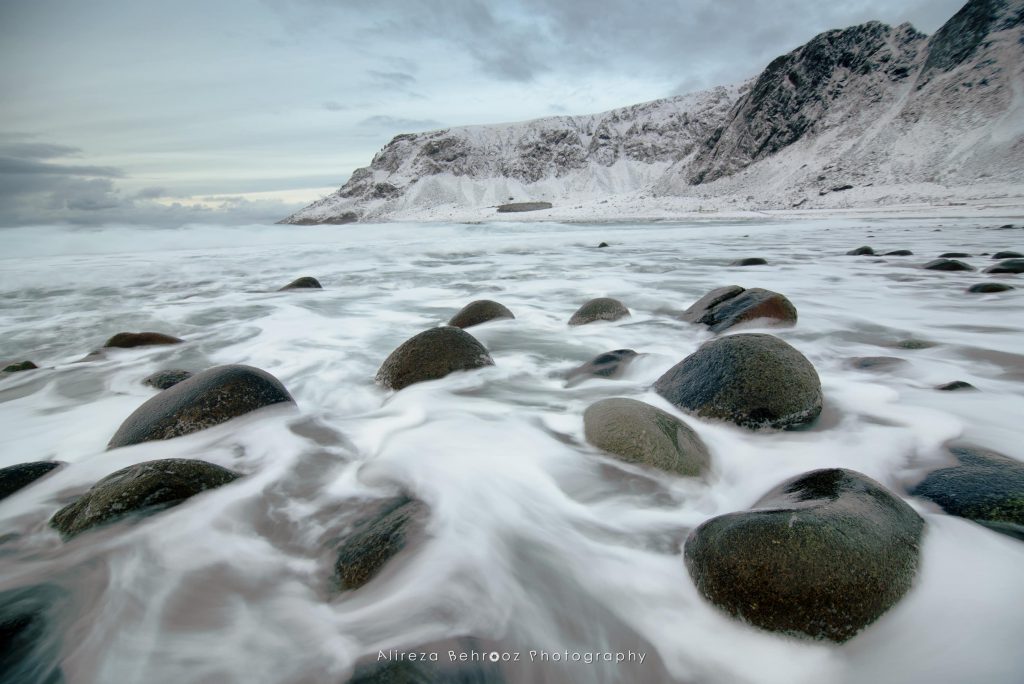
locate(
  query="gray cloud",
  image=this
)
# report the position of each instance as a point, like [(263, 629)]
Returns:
[(36, 150), (13, 165), (395, 78), (398, 124)]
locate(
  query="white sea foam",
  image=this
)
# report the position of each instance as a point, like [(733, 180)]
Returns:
[(537, 541)]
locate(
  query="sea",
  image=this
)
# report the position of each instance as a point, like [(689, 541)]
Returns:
[(536, 542)]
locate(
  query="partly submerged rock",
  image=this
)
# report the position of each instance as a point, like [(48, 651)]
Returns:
[(376, 541), (430, 355), (1007, 255), (986, 487), (636, 432), (955, 386), (899, 252), (139, 490), (752, 379), (989, 288), (30, 643), (303, 283), (1007, 266), (947, 265), (861, 251), (608, 365), (206, 399), (600, 309), (19, 367), (955, 255), (749, 261), (165, 379), (127, 340), (15, 477), (877, 363), (480, 311), (822, 555)]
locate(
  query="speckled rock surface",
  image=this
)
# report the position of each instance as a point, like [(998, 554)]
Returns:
[(165, 379), (822, 556), (16, 477), (138, 490), (751, 379), (600, 309), (372, 544), (480, 311)]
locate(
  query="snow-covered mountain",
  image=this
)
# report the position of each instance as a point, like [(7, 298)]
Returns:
[(869, 114)]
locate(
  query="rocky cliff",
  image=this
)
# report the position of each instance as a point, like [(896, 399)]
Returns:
[(869, 106)]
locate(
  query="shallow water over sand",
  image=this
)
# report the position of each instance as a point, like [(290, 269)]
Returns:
[(537, 542)]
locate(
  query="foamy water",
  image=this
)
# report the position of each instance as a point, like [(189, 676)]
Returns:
[(536, 540)]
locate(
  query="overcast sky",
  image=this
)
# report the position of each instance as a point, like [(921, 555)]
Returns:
[(242, 110)]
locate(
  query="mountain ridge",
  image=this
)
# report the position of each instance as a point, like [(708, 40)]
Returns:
[(870, 107)]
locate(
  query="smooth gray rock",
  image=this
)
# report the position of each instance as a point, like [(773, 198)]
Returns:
[(600, 309), (753, 380), (480, 311), (523, 206), (430, 355), (636, 432), (206, 399), (822, 555)]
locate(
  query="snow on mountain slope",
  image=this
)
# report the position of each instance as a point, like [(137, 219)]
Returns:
[(867, 115)]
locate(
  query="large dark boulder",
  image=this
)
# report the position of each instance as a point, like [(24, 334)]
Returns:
[(1007, 255), (822, 555), (986, 487), (139, 490), (608, 365), (430, 355), (206, 399), (899, 252), (749, 261), (947, 265), (989, 288), (127, 340), (480, 311), (600, 309), (15, 477), (303, 283), (165, 379), (1007, 266), (636, 432), (861, 251), (377, 540), (753, 380)]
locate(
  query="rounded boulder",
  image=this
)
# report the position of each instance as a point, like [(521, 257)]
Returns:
[(128, 340), (751, 379), (166, 379), (1007, 266), (600, 309), (206, 399), (139, 490), (430, 355), (639, 433), (822, 556), (303, 283), (15, 477), (480, 311)]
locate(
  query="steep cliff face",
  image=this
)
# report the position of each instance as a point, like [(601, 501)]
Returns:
[(824, 83), (867, 106)]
